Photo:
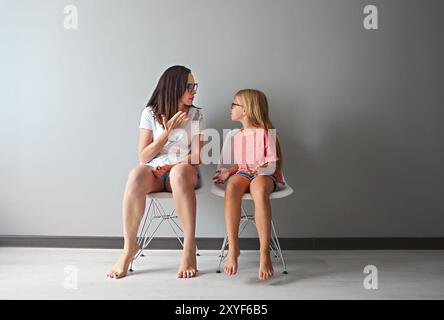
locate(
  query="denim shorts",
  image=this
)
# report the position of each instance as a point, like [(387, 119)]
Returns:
[(166, 175), (251, 176)]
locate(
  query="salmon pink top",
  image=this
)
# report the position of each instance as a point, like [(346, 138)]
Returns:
[(254, 148)]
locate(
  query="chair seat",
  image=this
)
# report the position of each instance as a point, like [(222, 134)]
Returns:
[(219, 190), (169, 195)]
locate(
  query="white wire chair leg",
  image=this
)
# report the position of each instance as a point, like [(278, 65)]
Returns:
[(140, 239), (278, 246), (274, 241), (244, 221), (156, 211), (222, 252), (167, 217), (144, 241), (172, 217)]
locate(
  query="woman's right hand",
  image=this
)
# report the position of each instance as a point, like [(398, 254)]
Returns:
[(175, 121), (222, 174), (159, 171)]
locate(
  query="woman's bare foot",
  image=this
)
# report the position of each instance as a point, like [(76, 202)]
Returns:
[(265, 266), (188, 264), (120, 269), (230, 267)]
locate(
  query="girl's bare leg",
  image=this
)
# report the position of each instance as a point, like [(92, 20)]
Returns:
[(182, 181), (260, 189), (141, 181), (236, 187)]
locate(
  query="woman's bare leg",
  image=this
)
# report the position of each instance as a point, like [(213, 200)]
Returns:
[(141, 181), (260, 189), (236, 187), (182, 181)]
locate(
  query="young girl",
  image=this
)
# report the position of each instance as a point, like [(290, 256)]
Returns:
[(257, 169)]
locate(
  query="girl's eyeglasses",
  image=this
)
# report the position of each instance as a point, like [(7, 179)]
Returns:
[(192, 87), (235, 105)]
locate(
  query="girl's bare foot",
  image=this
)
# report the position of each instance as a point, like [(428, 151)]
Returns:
[(265, 266), (188, 265), (230, 267), (120, 269)]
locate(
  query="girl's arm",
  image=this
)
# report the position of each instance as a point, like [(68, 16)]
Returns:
[(222, 174), (233, 169), (267, 168)]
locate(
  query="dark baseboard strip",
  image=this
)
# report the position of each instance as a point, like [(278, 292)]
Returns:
[(245, 243)]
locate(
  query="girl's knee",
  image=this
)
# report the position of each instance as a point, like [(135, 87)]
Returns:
[(261, 187), (234, 189), (260, 191)]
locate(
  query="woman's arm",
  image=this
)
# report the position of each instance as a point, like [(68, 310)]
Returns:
[(195, 157), (149, 149)]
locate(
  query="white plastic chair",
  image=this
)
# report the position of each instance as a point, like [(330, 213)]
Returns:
[(219, 190), (155, 211)]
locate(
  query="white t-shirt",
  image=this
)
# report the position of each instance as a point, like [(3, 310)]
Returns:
[(178, 145)]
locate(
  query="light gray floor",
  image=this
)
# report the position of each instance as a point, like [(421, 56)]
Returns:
[(38, 273)]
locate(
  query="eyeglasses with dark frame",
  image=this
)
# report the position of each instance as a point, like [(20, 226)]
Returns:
[(192, 87), (233, 104)]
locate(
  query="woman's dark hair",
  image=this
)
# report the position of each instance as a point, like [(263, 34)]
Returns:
[(170, 88)]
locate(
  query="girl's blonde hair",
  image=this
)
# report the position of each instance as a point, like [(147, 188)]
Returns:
[(255, 104)]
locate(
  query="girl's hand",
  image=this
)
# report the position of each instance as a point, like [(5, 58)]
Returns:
[(222, 174), (266, 168), (175, 121), (159, 171), (258, 167)]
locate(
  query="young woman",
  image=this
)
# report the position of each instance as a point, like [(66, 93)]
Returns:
[(257, 169), (170, 143)]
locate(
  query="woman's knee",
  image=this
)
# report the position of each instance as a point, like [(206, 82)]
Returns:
[(183, 174), (139, 179)]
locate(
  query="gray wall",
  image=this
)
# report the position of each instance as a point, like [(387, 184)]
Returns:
[(359, 111)]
